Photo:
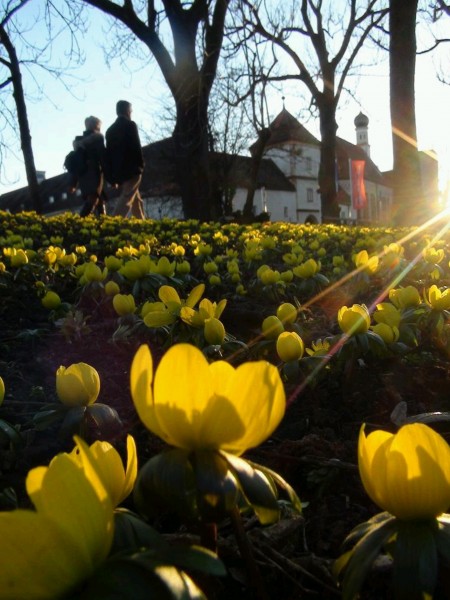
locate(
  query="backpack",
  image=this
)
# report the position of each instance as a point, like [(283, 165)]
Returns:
[(75, 162)]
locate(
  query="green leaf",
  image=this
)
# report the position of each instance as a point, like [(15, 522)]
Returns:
[(281, 483), (10, 433), (217, 489), (103, 417), (132, 533), (415, 560), (256, 488), (72, 422), (133, 578), (364, 528), (166, 482), (363, 555), (192, 558)]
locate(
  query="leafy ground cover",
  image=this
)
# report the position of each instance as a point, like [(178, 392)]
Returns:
[(86, 290)]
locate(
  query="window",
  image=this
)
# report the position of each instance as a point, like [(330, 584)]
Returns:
[(285, 211), (51, 199), (309, 195), (308, 165), (64, 196)]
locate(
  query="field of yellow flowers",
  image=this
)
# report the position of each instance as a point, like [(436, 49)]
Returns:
[(221, 410)]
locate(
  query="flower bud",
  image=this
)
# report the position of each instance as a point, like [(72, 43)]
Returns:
[(290, 346), (51, 300), (354, 320), (124, 304), (287, 313), (112, 288), (77, 385), (272, 327)]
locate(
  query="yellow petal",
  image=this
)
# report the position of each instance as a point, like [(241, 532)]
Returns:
[(418, 473), (180, 397), (141, 378), (111, 469), (37, 559), (78, 502), (159, 319), (195, 295), (373, 475), (132, 467), (169, 294), (257, 393)]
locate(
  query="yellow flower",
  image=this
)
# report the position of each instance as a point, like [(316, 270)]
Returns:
[(353, 320), (92, 272), (290, 346), (362, 260), (112, 288), (47, 553), (318, 348), (112, 263), (433, 255), (189, 412), (307, 269), (168, 310), (268, 276), (287, 313), (124, 304), (206, 310), (2, 391), (388, 314), (387, 333), (405, 297), (406, 474), (272, 327), (77, 385), (437, 299), (214, 331), (51, 300), (118, 481), (18, 258)]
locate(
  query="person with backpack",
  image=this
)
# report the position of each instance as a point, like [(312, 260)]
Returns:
[(86, 165), (125, 161)]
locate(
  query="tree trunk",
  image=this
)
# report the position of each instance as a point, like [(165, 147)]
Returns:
[(192, 155), (327, 168), (22, 118), (408, 203), (257, 155)]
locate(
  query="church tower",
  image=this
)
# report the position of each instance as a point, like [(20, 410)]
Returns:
[(362, 132)]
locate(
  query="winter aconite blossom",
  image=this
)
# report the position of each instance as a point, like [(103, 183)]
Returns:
[(124, 304), (353, 320), (77, 385), (438, 299), (407, 473), (51, 300), (189, 412), (118, 481), (47, 553), (290, 346)]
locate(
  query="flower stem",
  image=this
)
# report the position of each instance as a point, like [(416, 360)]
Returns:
[(248, 556), (208, 536)]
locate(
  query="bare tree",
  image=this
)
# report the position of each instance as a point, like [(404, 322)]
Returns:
[(402, 65), (12, 64), (304, 29), (19, 51), (189, 64)]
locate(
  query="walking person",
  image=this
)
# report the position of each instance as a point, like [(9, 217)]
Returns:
[(125, 161), (90, 178)]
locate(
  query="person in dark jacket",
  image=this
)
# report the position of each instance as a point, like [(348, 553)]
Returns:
[(91, 181), (125, 161)]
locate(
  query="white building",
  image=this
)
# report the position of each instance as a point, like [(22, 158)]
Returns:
[(296, 152)]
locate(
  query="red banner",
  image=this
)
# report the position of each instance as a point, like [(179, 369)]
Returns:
[(359, 198)]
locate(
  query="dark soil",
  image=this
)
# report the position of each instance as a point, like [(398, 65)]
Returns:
[(314, 449)]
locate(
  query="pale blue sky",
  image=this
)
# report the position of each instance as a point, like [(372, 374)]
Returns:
[(58, 116)]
